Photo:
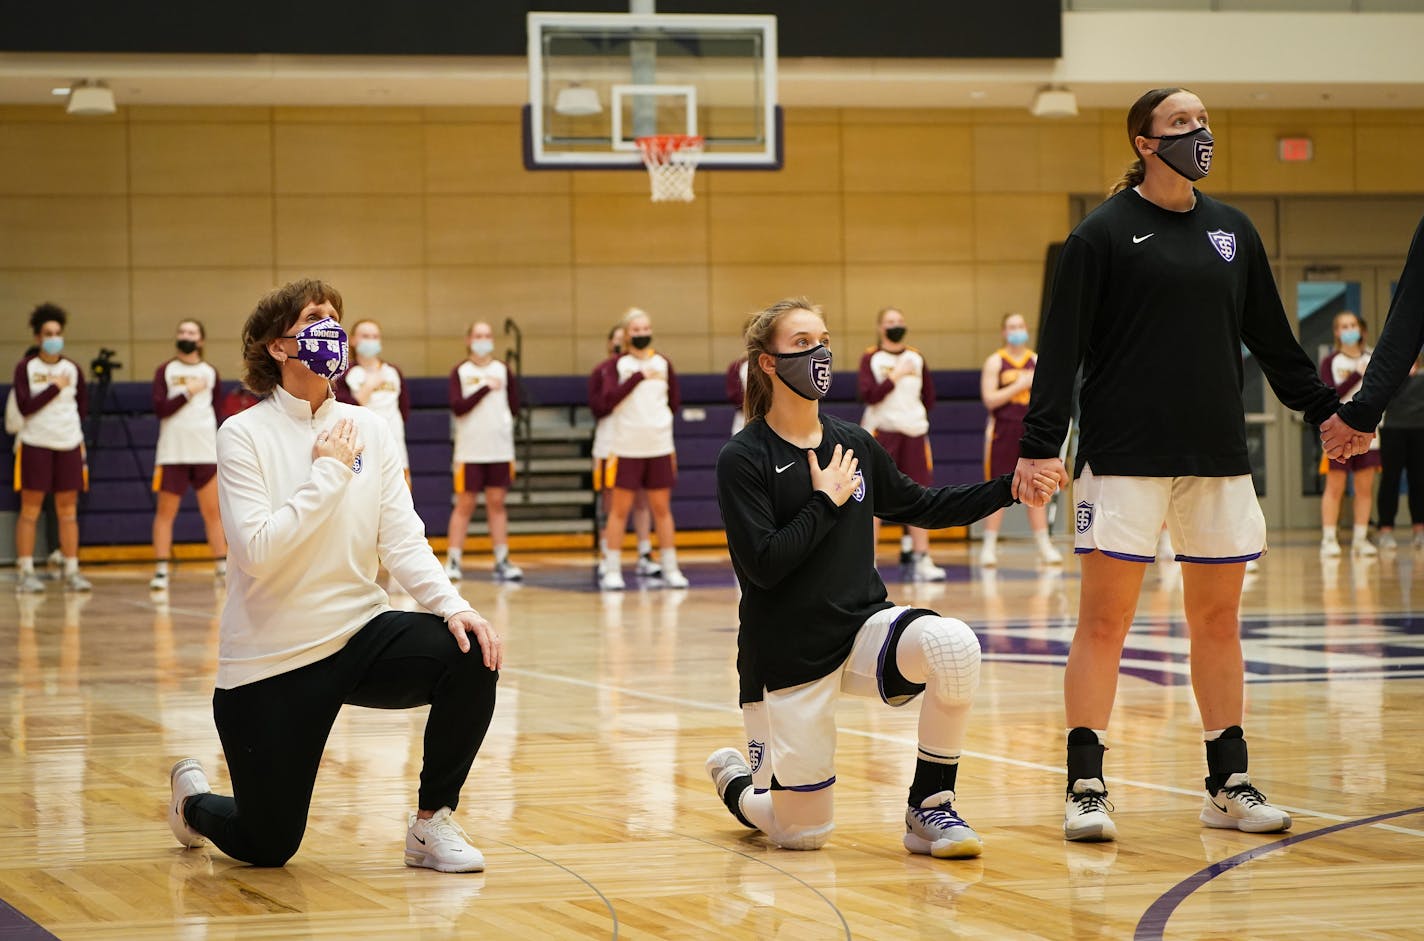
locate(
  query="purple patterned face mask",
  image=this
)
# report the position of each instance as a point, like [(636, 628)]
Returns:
[(322, 348)]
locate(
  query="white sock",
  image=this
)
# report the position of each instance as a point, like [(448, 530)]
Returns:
[(71, 565), (611, 560), (991, 537), (1211, 735), (1360, 532), (645, 547), (161, 567), (907, 543), (669, 560), (1042, 538), (25, 564), (455, 554), (501, 555), (1327, 534)]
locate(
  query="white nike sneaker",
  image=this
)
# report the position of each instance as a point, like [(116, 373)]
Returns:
[(935, 829), (185, 779), (159, 582), (729, 771), (988, 557), (1048, 554), (1385, 540), (76, 582), (927, 571), (1085, 813), (507, 571), (610, 580), (647, 567), (673, 578), (1363, 548), (1239, 806), (1329, 548), (452, 569), (440, 844), (29, 584)]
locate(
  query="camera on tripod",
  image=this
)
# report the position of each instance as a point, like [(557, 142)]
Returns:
[(102, 366)]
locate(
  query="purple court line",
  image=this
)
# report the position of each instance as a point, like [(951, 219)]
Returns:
[(15, 925), (1154, 921)]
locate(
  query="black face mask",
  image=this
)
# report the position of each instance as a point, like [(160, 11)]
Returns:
[(1189, 154), (807, 373), (617, 349), (187, 346), (642, 343), (895, 334)]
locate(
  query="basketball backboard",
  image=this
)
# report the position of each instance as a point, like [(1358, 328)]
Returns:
[(599, 81)]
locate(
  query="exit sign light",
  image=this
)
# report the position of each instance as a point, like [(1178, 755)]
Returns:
[(1296, 149)]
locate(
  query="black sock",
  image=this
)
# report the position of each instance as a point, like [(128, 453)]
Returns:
[(931, 777), (1224, 757), (1085, 756), (733, 799)]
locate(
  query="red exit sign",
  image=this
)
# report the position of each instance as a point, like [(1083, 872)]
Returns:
[(1296, 149)]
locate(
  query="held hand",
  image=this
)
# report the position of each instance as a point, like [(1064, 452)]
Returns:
[(837, 479), (1025, 380), (1036, 480), (60, 380), (341, 442), (1340, 441), (195, 384), (495, 383), (491, 644), (653, 372), (903, 368)]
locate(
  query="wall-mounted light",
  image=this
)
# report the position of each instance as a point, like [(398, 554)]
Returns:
[(90, 97), (1054, 102)]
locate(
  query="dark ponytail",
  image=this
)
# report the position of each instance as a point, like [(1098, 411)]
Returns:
[(759, 333), (1139, 124)]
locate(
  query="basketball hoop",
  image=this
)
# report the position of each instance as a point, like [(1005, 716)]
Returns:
[(671, 160)]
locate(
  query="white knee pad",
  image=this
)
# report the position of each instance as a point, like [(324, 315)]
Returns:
[(801, 837), (951, 657)]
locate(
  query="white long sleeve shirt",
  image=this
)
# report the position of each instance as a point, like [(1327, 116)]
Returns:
[(305, 538)]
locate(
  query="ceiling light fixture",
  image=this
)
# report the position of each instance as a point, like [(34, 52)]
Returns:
[(91, 97), (1054, 101)]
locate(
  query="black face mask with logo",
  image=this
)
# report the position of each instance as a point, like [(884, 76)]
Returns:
[(1189, 154), (807, 373)]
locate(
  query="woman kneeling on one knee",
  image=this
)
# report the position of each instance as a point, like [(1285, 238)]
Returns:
[(313, 499), (799, 493)]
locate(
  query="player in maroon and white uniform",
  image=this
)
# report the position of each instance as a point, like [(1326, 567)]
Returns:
[(1342, 369)]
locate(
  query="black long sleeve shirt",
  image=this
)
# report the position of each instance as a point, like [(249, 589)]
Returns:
[(807, 567), (1155, 305), (1398, 346)]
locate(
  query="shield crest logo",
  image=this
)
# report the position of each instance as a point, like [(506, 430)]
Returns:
[(356, 465), (1224, 243), (1083, 518), (755, 751), (821, 375), (859, 487), (1202, 154)]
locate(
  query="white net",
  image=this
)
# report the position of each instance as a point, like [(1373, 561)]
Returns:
[(672, 163)]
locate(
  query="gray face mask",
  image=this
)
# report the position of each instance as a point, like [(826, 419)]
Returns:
[(807, 373), (1189, 154)]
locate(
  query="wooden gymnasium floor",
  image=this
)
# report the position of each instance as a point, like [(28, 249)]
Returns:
[(591, 805)]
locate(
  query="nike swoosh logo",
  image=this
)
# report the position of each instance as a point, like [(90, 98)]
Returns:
[(1138, 239), (422, 842), (1213, 803), (780, 469)]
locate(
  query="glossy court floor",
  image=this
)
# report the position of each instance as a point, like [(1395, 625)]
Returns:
[(597, 820)]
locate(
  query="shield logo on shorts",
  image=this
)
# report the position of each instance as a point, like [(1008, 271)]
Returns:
[(859, 487), (1224, 243), (1083, 518), (755, 752)]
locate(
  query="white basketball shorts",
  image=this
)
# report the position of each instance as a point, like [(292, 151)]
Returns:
[(791, 733), (1210, 519)]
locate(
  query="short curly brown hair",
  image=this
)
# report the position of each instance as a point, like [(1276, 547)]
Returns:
[(274, 315)]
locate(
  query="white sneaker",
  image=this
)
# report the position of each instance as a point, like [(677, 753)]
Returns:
[(1049, 555), (610, 580), (1239, 806), (185, 780), (1329, 548), (507, 571), (726, 766), (927, 571), (29, 584), (1363, 548), (935, 829), (76, 582), (159, 582), (440, 844), (988, 557), (452, 569), (1384, 539), (54, 563), (1085, 813), (647, 566), (673, 578)]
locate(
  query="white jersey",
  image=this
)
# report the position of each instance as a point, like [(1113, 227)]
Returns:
[(57, 424), (901, 411), (642, 422), (384, 400), (1342, 367), (484, 434), (190, 434)]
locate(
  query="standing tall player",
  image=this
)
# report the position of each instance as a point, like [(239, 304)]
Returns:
[(799, 492), (1342, 369), (602, 383), (1155, 292), (484, 401), (185, 399), (51, 395), (1004, 386), (377, 384), (898, 393)]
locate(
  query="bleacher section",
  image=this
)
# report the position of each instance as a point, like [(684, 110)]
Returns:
[(553, 490)]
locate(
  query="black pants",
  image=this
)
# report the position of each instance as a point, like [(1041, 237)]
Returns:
[(274, 730), (1401, 449)]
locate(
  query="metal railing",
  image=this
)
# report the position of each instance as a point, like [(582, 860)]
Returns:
[(523, 424)]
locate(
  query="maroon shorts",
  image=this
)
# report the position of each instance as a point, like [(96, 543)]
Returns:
[(472, 478), (644, 473), (50, 471), (1367, 461), (177, 478), (911, 454), (1004, 449)]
